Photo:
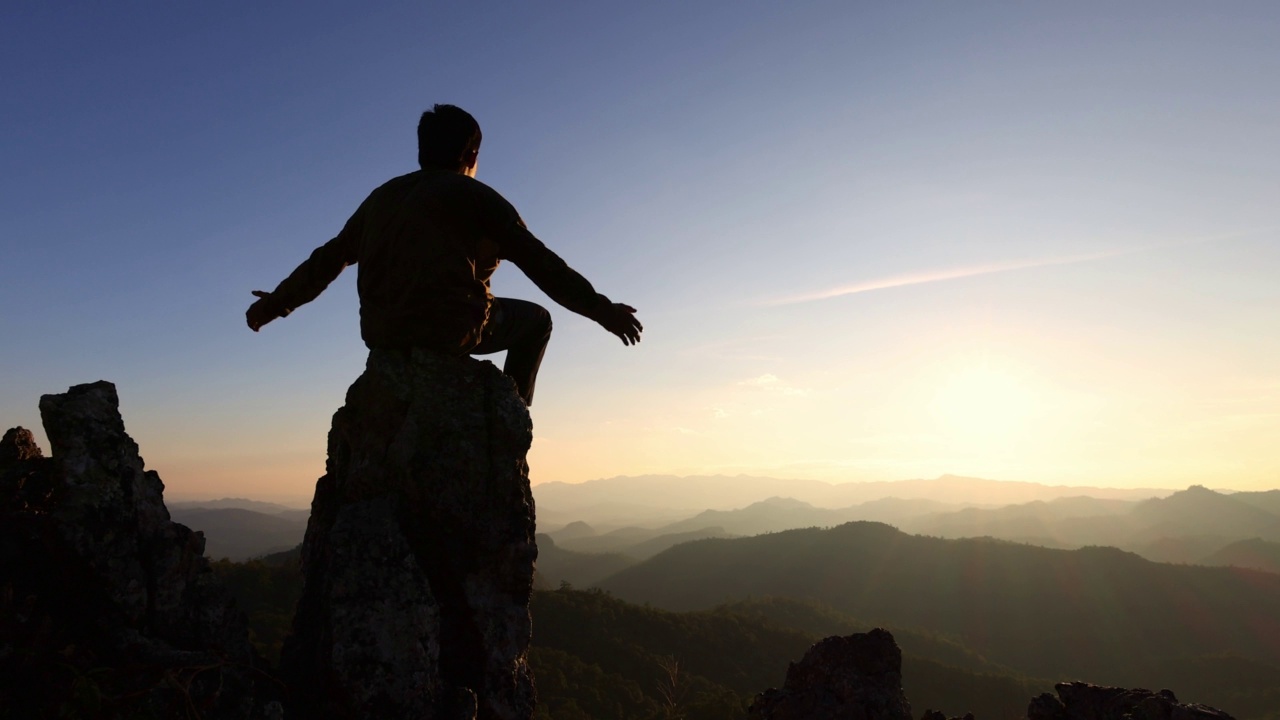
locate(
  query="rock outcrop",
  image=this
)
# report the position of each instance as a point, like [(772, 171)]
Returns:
[(419, 554), (1081, 701), (858, 677), (107, 608)]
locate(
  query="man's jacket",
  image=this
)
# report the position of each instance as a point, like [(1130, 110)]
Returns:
[(426, 244)]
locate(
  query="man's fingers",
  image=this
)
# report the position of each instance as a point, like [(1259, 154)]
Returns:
[(623, 323), (260, 293)]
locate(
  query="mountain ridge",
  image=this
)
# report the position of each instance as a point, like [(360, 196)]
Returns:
[(1108, 612)]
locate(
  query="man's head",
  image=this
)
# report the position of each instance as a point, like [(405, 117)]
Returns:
[(448, 139)]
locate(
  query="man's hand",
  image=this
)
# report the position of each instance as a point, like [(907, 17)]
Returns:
[(262, 311), (621, 320)]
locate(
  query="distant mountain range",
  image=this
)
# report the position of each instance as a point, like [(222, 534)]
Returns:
[(1191, 526), (605, 501), (771, 515), (1099, 613), (1185, 527), (242, 503)]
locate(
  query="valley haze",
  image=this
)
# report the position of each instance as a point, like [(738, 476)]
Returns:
[(628, 511)]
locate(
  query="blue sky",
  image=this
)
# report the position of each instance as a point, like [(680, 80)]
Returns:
[(708, 163)]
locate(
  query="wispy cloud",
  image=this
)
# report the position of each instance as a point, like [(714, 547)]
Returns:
[(948, 274), (930, 276)]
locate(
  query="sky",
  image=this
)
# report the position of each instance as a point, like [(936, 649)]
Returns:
[(868, 241)]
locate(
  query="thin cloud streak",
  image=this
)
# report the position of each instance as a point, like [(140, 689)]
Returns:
[(957, 273), (953, 274)]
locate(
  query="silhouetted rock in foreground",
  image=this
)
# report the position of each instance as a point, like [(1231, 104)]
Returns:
[(1081, 701), (419, 554), (106, 607), (858, 677)]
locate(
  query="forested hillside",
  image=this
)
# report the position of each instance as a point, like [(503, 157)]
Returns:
[(597, 656)]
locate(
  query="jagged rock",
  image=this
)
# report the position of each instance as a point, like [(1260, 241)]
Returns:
[(18, 445), (1081, 701), (23, 481), (106, 606), (419, 554), (858, 677)]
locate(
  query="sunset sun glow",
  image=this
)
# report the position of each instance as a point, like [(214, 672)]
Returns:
[(983, 406)]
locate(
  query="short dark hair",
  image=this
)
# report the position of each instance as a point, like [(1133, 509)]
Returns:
[(446, 135)]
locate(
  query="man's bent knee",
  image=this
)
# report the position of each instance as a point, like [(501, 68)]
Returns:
[(543, 320)]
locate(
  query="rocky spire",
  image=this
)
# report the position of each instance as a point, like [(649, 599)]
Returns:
[(419, 553), (856, 676), (105, 601)]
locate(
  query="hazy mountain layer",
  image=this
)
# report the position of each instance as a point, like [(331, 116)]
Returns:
[(239, 534), (556, 565), (653, 546), (638, 543), (771, 515), (776, 514), (243, 503), (1184, 527), (1268, 500), (1254, 553), (649, 494)]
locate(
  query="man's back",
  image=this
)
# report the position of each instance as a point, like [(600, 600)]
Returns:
[(427, 244)]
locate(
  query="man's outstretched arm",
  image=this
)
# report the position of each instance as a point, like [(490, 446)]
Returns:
[(308, 280), (563, 284)]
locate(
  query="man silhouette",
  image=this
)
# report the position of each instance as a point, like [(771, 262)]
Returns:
[(427, 244)]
